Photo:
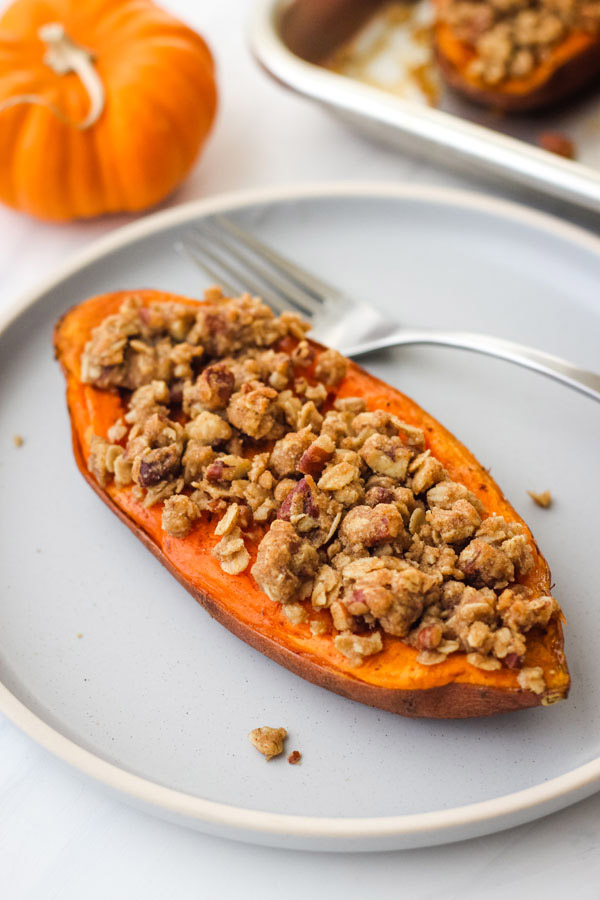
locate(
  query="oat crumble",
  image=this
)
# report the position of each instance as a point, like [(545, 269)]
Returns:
[(512, 37), (363, 535), (268, 741), (543, 499)]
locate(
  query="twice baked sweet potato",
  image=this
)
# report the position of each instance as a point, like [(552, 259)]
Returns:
[(517, 57), (392, 679)]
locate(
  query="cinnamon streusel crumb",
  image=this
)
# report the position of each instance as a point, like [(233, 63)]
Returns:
[(543, 499), (268, 741)]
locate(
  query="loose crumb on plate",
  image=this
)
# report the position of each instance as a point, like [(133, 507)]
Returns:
[(294, 757), (544, 499), (18, 440), (268, 741)]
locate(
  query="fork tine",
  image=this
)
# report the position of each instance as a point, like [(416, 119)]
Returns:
[(185, 249), (296, 296), (200, 251), (319, 289)]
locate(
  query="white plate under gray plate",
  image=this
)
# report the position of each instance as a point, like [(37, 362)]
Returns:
[(109, 663)]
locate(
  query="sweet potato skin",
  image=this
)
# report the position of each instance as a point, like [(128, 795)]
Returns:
[(392, 680), (569, 68)]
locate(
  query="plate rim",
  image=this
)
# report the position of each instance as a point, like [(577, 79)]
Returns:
[(435, 826)]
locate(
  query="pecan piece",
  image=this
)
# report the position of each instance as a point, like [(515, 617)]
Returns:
[(228, 468), (559, 143), (513, 661), (283, 563), (316, 456), (429, 637), (299, 501), (370, 525), (214, 386), (157, 465), (386, 456), (288, 451), (379, 494), (486, 564)]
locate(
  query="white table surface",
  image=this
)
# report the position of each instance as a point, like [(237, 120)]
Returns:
[(62, 836)]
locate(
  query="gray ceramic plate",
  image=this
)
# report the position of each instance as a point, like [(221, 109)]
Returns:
[(110, 664)]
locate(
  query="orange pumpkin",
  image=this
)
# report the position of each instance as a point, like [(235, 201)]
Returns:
[(104, 105)]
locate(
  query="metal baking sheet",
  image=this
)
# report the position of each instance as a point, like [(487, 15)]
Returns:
[(370, 61)]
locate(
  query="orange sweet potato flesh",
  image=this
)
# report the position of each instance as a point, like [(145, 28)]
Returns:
[(568, 68), (393, 679)]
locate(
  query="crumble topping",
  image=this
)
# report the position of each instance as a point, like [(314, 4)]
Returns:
[(512, 37), (543, 499), (532, 679), (361, 533), (269, 741)]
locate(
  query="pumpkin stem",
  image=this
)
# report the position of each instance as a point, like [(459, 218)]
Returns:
[(63, 56)]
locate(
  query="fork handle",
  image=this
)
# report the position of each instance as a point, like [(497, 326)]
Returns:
[(579, 379)]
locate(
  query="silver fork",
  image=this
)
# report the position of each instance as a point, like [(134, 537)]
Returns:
[(238, 261)]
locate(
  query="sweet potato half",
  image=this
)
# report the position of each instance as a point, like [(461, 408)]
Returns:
[(393, 679), (567, 69)]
